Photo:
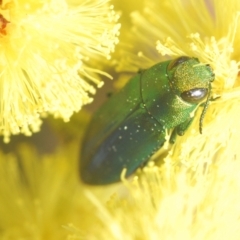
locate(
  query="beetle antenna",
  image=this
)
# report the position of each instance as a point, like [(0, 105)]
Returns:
[(204, 110)]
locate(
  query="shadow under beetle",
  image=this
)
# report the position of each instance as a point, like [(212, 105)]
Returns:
[(132, 124)]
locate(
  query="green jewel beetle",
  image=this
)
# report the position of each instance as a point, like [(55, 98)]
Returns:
[(132, 124)]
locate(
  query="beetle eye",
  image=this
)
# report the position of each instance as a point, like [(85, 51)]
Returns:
[(176, 62), (195, 95)]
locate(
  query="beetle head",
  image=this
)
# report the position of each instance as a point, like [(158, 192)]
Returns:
[(191, 81)]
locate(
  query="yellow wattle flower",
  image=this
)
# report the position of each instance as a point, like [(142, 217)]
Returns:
[(51, 54)]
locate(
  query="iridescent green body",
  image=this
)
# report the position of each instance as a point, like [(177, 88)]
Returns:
[(132, 124)]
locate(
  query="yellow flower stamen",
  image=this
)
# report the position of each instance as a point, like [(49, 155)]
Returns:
[(50, 56)]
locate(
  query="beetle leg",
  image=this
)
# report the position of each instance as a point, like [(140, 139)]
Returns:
[(173, 136), (180, 130)]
